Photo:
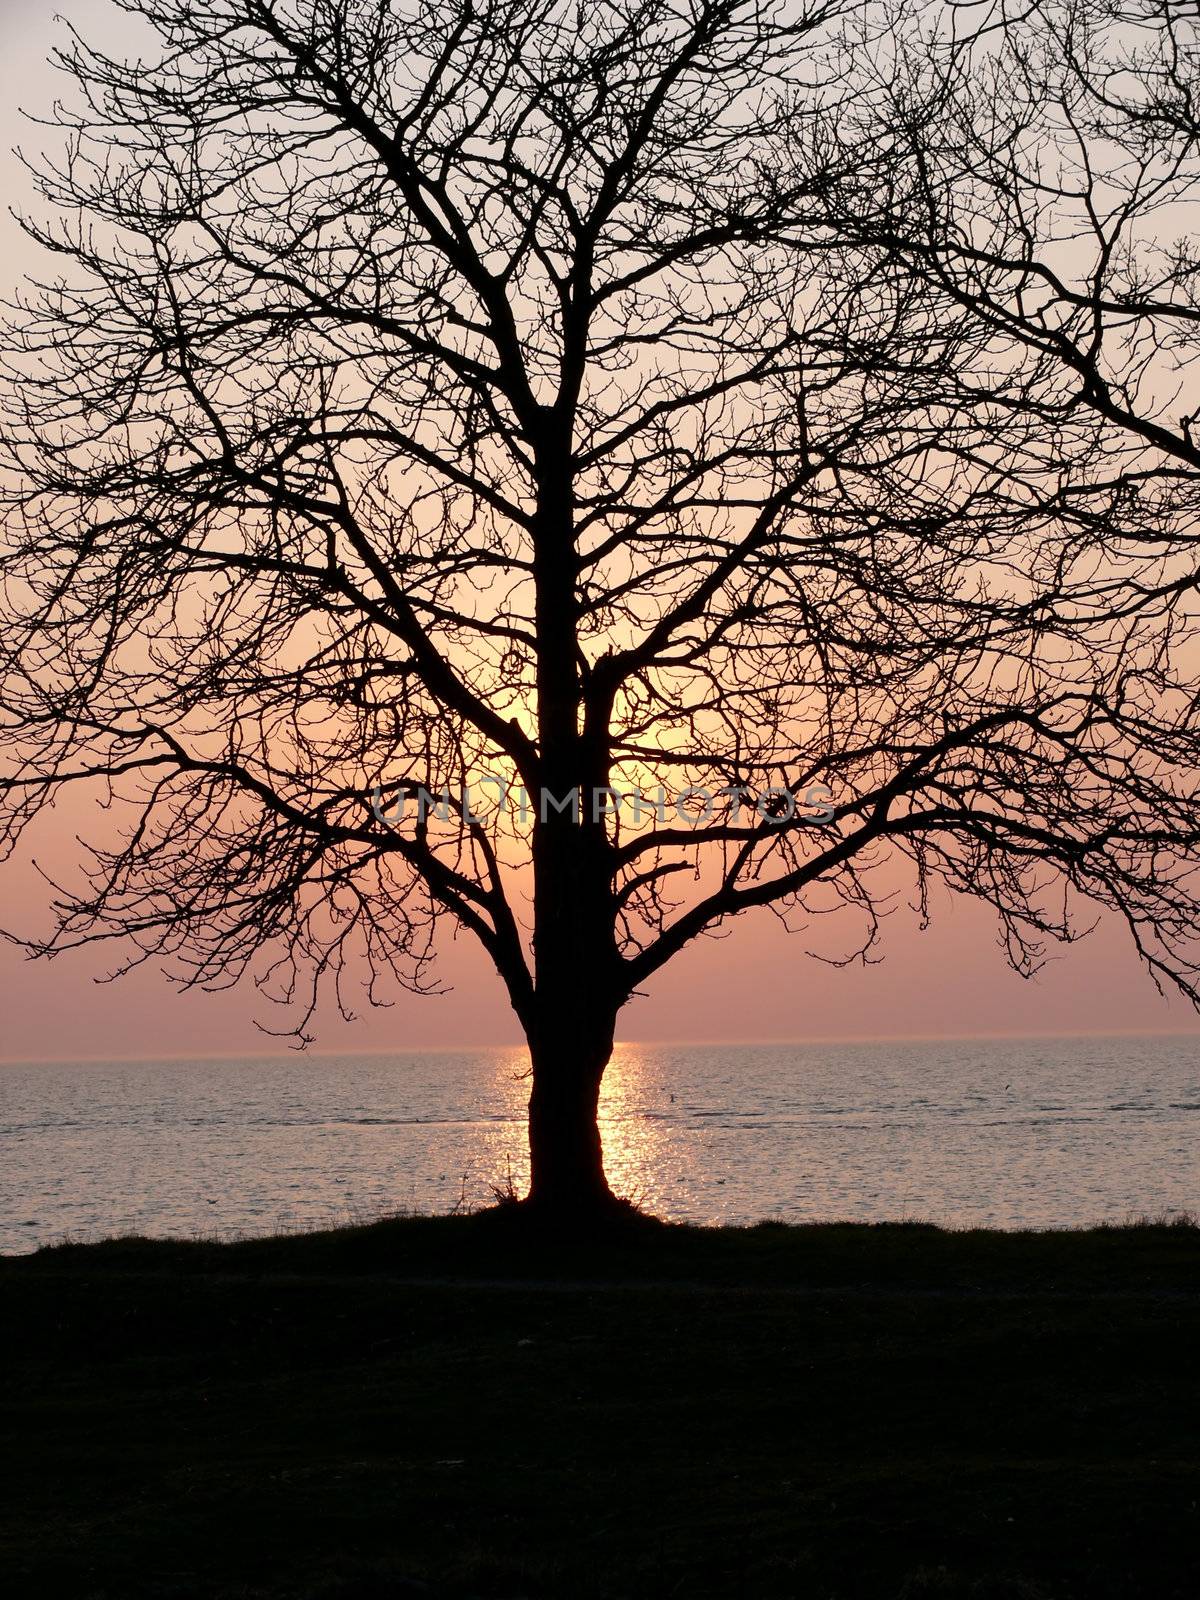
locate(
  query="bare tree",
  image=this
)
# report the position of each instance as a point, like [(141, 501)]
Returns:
[(1045, 164), (501, 393)]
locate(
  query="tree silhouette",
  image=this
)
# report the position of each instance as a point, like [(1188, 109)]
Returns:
[(478, 394)]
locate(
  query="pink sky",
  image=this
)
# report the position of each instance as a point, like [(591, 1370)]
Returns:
[(756, 983)]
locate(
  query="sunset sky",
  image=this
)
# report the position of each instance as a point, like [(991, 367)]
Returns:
[(754, 983)]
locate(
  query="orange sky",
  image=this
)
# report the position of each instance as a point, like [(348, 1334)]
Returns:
[(756, 983)]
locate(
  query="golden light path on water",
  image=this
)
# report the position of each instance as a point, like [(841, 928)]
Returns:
[(633, 1130), (637, 1109)]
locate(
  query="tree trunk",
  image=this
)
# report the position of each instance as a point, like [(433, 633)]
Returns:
[(577, 972), (566, 1161)]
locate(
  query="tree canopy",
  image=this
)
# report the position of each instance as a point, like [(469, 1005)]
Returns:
[(727, 401)]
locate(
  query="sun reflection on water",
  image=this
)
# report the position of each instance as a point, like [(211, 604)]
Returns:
[(635, 1118)]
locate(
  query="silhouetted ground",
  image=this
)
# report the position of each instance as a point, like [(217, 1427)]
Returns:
[(449, 1407)]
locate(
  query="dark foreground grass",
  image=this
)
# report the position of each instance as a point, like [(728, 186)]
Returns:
[(449, 1407)]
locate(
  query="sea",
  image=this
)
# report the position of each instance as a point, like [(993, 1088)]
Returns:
[(1007, 1133)]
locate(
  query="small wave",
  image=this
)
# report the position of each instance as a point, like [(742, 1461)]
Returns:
[(1033, 1122)]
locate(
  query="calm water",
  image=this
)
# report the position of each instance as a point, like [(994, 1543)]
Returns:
[(1008, 1133)]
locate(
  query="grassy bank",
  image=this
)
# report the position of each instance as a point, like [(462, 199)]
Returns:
[(449, 1407)]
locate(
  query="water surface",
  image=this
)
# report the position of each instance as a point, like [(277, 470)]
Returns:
[(1003, 1133)]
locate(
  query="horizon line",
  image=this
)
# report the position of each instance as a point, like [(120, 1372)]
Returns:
[(775, 1041)]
